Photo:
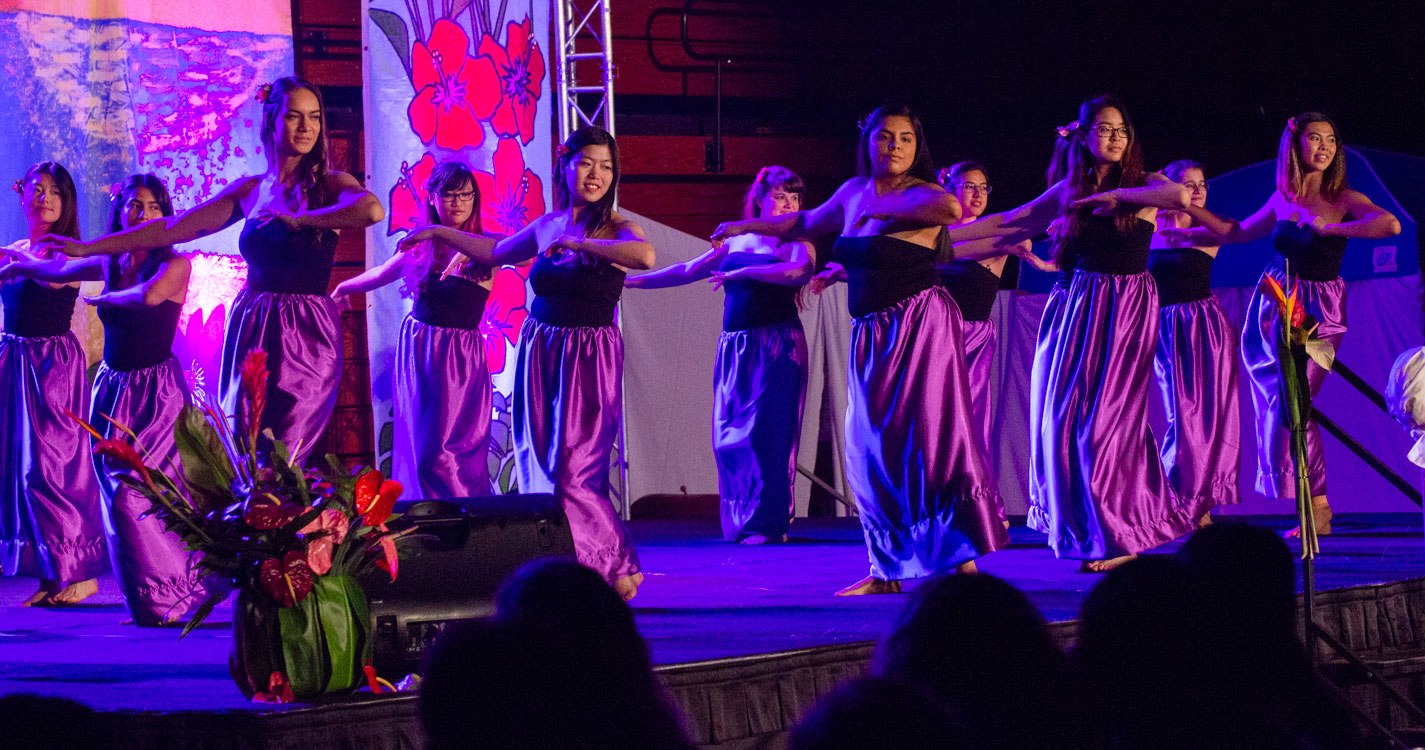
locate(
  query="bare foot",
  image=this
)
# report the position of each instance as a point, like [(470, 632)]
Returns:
[(755, 539), (1205, 521), (1321, 513), (75, 593), (871, 585), (627, 587), (47, 589), (967, 567), (1103, 566)]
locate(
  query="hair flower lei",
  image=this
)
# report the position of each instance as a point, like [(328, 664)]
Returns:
[(1065, 130), (1292, 125), (264, 92)]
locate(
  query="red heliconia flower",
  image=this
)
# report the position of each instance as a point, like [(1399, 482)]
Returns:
[(288, 580), (520, 67), (1298, 315), (319, 550), (408, 197), (504, 314), (513, 196), (254, 386), (120, 450), (454, 91), (375, 496)]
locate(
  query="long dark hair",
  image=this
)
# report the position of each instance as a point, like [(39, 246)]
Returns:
[(447, 175), (67, 225), (1291, 176), (1073, 161), (126, 191), (309, 182), (920, 168), (599, 214)]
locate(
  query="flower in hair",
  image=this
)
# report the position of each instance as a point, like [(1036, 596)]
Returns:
[(1292, 124), (19, 185), (264, 92), (1065, 130), (561, 151), (116, 189), (863, 123)]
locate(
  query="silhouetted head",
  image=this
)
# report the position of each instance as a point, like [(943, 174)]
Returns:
[(878, 712)]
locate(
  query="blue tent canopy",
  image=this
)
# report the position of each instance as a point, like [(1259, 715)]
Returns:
[(1396, 182)]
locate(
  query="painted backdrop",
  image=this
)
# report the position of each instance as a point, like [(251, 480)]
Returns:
[(112, 88), (455, 79)]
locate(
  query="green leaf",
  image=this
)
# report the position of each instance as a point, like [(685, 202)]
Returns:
[(302, 649), (201, 612), (207, 469), (343, 636), (1321, 352), (394, 28)]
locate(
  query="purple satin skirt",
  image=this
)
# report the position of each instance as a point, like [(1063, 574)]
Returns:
[(566, 417), (924, 492), (1037, 515), (1107, 493), (1196, 365), (50, 522), (301, 334), (443, 406), (152, 568), (759, 389), (1326, 301), (979, 356)]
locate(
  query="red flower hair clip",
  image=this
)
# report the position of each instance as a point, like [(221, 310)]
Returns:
[(1065, 130), (19, 186), (264, 92), (116, 190), (561, 151), (1292, 125)]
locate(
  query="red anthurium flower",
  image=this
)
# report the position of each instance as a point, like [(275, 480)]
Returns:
[(263, 514), (454, 91), (278, 690), (513, 196), (504, 314), (319, 550), (408, 197), (288, 580), (386, 499), (520, 67), (388, 561), (254, 386), (368, 485), (121, 451)]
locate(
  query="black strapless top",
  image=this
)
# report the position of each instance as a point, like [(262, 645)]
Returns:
[(1312, 257), (1101, 248), (455, 302), (287, 262), (972, 286), (34, 310), (138, 337), (750, 304), (583, 293), (882, 270), (1183, 274)]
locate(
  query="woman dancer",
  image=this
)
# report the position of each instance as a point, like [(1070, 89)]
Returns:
[(1196, 363), (760, 382), (1310, 216), (570, 359), (50, 524), (296, 208), (926, 498), (443, 391), (1106, 494), (140, 385)]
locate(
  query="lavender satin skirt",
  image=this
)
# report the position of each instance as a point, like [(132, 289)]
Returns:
[(979, 356), (443, 405), (566, 417), (923, 489), (1107, 494), (1196, 365), (152, 568), (759, 390), (50, 521), (1326, 301), (301, 334), (1044, 346)]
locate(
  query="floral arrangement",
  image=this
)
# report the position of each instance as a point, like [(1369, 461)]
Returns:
[(1296, 341), (290, 540)]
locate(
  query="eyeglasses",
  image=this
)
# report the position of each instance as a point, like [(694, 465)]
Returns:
[(1195, 186), (1104, 131), (982, 188), (466, 197)]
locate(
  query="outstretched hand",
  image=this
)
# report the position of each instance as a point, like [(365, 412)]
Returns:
[(1102, 204), (719, 278), (288, 219), (726, 231), (415, 237), (1316, 222), (834, 273), (56, 243), (98, 300), (1025, 251)]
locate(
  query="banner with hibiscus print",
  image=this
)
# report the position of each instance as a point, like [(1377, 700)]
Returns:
[(466, 80)]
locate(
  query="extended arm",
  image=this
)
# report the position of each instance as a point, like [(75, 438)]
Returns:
[(828, 218), (679, 274), (170, 281), (1160, 192), (355, 207), (1367, 221), (480, 248), (375, 277), (208, 217), (628, 248), (1224, 230), (794, 271), (61, 270), (923, 205), (1030, 218)]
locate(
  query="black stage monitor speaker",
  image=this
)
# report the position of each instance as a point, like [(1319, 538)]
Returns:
[(451, 565)]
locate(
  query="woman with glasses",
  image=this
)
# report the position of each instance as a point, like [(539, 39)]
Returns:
[(443, 396), (1196, 362), (1310, 216), (1106, 496), (927, 500), (761, 369)]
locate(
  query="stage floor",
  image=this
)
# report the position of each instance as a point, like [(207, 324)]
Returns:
[(703, 599)]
